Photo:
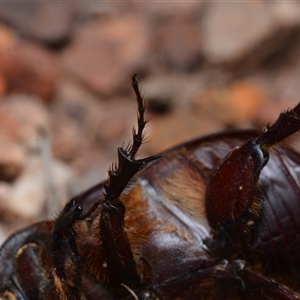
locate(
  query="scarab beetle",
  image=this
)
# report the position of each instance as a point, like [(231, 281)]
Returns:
[(213, 218)]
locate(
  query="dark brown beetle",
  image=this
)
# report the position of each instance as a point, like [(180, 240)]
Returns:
[(214, 218)]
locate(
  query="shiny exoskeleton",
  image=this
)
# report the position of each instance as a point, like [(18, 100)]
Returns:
[(214, 218)]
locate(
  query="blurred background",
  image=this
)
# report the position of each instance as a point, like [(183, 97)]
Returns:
[(66, 101)]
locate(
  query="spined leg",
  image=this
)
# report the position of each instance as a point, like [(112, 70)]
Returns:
[(116, 252), (118, 265), (251, 285), (224, 280), (231, 203), (255, 286), (65, 253)]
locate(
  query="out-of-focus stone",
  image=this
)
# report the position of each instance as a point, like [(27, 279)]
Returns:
[(3, 235), (39, 184), (93, 9), (7, 37), (176, 89), (27, 67), (3, 85), (177, 127), (232, 31), (73, 110), (105, 52), (286, 14), (179, 42), (244, 102), (24, 118), (84, 128), (235, 105), (12, 160), (163, 9), (21, 120), (29, 194), (49, 22)]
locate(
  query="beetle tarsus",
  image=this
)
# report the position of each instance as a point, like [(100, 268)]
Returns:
[(138, 135)]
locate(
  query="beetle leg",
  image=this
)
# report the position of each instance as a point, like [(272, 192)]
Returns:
[(118, 260), (251, 285), (65, 253), (256, 286), (231, 203)]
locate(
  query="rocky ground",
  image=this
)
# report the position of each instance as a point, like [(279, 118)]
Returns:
[(67, 104)]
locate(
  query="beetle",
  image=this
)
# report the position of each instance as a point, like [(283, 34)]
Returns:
[(213, 218)]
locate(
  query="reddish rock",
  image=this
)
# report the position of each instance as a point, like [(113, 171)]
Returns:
[(244, 102), (39, 192), (21, 119), (84, 128), (30, 115), (49, 22), (26, 162), (235, 105), (27, 67), (163, 9), (3, 85), (180, 126), (73, 110), (232, 30), (105, 52), (286, 14), (179, 42)]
